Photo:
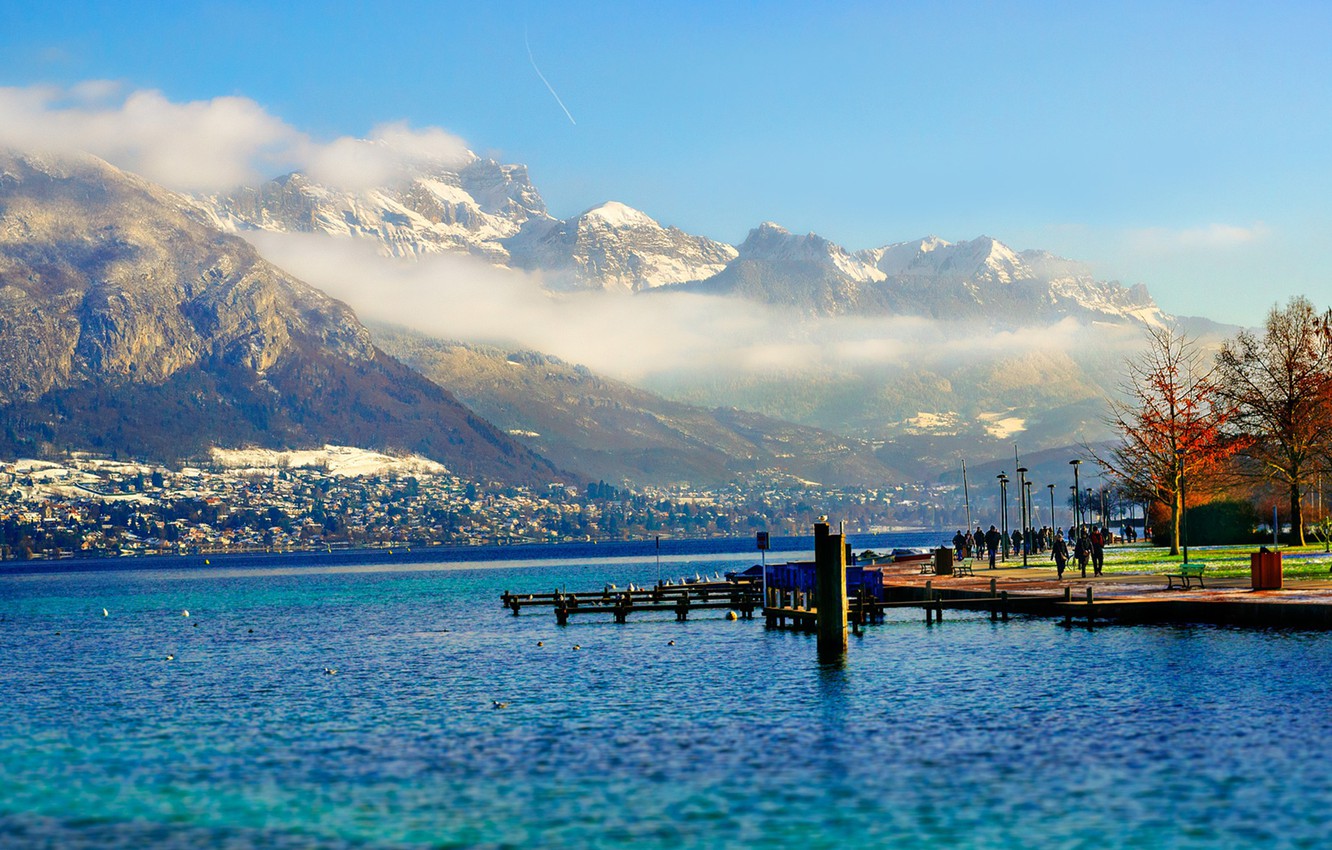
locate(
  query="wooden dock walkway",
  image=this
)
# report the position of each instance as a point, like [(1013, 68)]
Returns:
[(1002, 593), (743, 597)]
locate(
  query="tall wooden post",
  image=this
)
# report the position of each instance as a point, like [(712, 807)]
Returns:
[(830, 582)]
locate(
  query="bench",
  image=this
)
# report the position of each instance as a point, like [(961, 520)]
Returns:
[(1186, 574), (964, 567)]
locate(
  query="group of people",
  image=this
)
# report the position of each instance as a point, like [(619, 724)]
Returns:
[(1088, 542)]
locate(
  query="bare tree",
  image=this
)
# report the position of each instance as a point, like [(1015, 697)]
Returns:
[(1281, 384), (1169, 417)]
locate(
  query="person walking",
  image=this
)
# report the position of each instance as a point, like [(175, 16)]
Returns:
[(1059, 551), (1097, 549), (992, 541), (1080, 551)]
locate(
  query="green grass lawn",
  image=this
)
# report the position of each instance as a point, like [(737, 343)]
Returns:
[(1297, 561)]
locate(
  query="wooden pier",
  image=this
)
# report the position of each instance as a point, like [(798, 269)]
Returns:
[(741, 596), (860, 596)]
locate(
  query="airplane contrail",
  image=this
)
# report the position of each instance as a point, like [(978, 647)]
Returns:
[(531, 59)]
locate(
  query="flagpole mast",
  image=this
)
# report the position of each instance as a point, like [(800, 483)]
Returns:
[(966, 495)]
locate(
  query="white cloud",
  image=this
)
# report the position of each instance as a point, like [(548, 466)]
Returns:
[(206, 145), (1216, 236), (640, 337), (391, 151)]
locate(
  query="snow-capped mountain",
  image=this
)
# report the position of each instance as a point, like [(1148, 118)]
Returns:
[(986, 275), (435, 208), (980, 278), (485, 209), (614, 247), (491, 210), (805, 273)]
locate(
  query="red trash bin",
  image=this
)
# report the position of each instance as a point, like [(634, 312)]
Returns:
[(1265, 570)]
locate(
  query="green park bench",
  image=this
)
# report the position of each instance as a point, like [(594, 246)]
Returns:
[(1186, 574)]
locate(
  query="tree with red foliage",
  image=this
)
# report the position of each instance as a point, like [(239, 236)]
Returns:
[(1280, 384), (1169, 417)]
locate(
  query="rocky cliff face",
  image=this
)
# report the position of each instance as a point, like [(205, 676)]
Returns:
[(431, 209), (105, 276), (127, 323)]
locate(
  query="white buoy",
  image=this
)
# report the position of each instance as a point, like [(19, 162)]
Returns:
[(184, 613)]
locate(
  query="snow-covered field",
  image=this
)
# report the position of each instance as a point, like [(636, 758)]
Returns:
[(344, 461)]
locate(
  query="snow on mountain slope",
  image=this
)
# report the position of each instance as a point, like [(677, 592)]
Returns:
[(614, 247), (774, 243), (984, 274), (808, 274), (980, 260), (435, 208)]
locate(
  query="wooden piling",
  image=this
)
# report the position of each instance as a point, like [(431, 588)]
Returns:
[(830, 589)]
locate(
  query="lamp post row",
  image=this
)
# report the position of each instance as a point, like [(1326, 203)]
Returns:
[(1025, 505)]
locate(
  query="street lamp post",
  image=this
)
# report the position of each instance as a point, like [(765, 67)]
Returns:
[(1090, 505), (1031, 521), (1053, 521), (1022, 511), (1003, 514), (1077, 502)]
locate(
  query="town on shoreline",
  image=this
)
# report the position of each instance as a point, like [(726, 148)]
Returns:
[(85, 506)]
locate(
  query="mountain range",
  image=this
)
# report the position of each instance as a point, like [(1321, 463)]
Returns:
[(134, 320), (493, 211)]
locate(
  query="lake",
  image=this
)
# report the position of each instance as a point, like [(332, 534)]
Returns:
[(963, 734)]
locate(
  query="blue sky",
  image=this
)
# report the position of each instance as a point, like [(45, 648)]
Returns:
[(1184, 146)]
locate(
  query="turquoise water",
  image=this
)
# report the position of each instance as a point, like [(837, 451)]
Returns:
[(964, 734)]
